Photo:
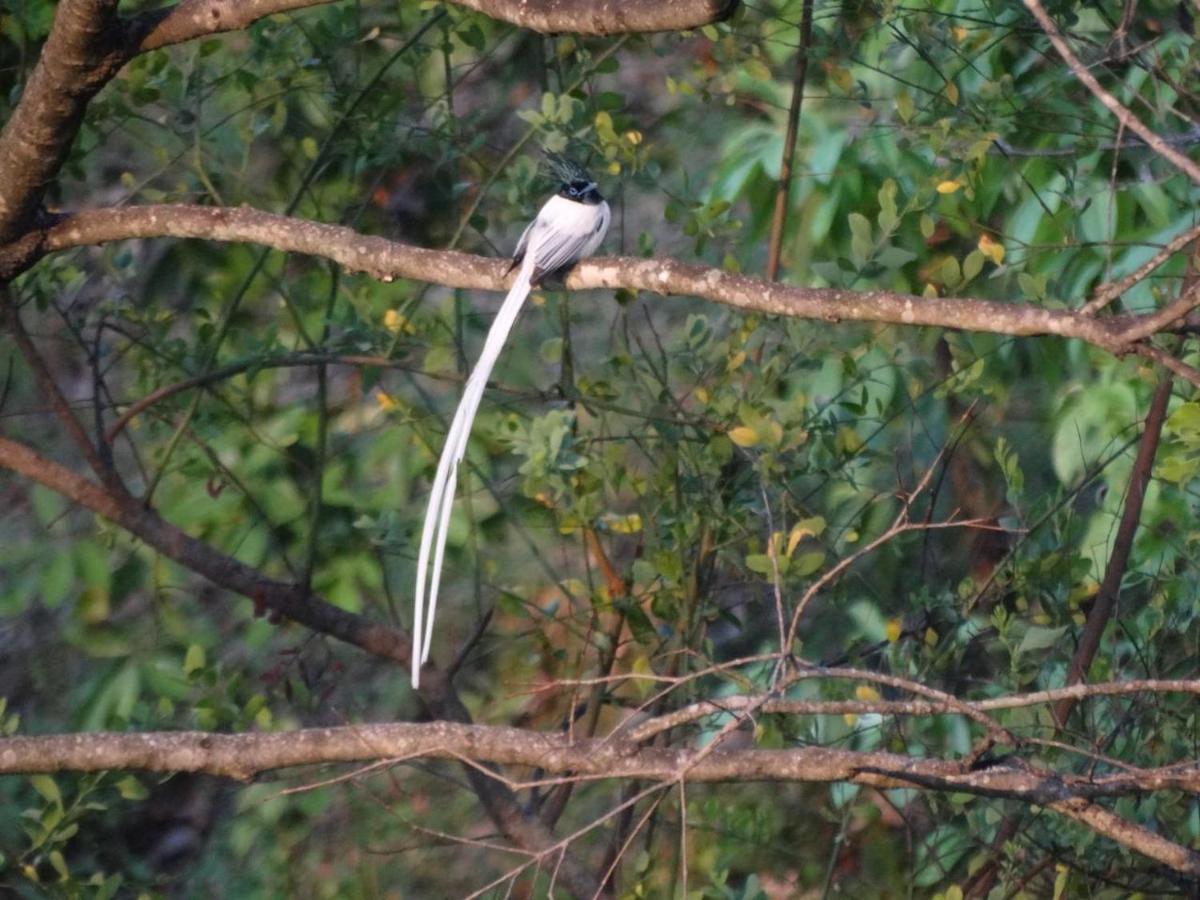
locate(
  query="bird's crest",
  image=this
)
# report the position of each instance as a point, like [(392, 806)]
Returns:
[(566, 170)]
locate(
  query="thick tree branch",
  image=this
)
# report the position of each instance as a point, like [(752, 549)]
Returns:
[(81, 54), (387, 260), (604, 16), (245, 755)]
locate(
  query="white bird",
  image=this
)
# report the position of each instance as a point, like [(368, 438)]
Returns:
[(570, 226)]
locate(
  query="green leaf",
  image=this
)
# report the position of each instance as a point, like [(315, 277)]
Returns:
[(194, 659), (972, 265), (46, 786), (1041, 638), (759, 563), (132, 789), (860, 227), (807, 563)]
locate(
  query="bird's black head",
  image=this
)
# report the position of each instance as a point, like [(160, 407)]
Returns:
[(576, 183)]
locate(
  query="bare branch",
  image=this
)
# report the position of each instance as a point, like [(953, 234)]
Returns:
[(191, 19), (244, 755), (1107, 293), (648, 728), (611, 17), (387, 260), (1110, 588), (1123, 114)]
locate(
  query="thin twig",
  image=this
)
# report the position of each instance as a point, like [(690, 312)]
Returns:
[(784, 185)]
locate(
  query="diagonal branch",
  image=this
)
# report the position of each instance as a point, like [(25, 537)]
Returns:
[(1123, 114), (288, 600), (10, 315), (1107, 293), (1118, 561)]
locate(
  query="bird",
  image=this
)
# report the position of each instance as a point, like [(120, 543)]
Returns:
[(570, 226)]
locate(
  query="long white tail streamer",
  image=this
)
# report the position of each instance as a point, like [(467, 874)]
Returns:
[(441, 498)]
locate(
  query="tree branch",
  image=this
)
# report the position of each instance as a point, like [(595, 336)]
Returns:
[(1107, 293), (606, 17), (1118, 561), (644, 730), (784, 185), (387, 260), (288, 600), (1123, 114), (244, 755), (81, 54), (190, 19)]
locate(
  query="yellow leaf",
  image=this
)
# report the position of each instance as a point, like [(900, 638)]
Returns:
[(641, 666), (743, 436), (634, 137), (866, 693), (735, 361), (618, 524), (849, 718), (931, 637), (948, 187), (893, 630), (603, 120), (951, 92), (614, 168), (811, 527), (960, 33), (386, 403), (991, 249), (701, 394)]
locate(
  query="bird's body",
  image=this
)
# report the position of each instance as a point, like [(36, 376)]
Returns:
[(569, 226)]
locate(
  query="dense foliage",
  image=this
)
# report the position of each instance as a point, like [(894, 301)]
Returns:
[(649, 473)]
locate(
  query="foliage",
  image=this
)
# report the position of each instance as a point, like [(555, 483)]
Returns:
[(715, 458)]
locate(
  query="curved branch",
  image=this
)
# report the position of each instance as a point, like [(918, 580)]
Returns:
[(190, 19), (242, 756), (387, 260)]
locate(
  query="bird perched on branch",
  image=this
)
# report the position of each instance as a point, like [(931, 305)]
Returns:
[(568, 227)]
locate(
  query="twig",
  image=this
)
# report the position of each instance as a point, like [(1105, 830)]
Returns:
[(784, 185)]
